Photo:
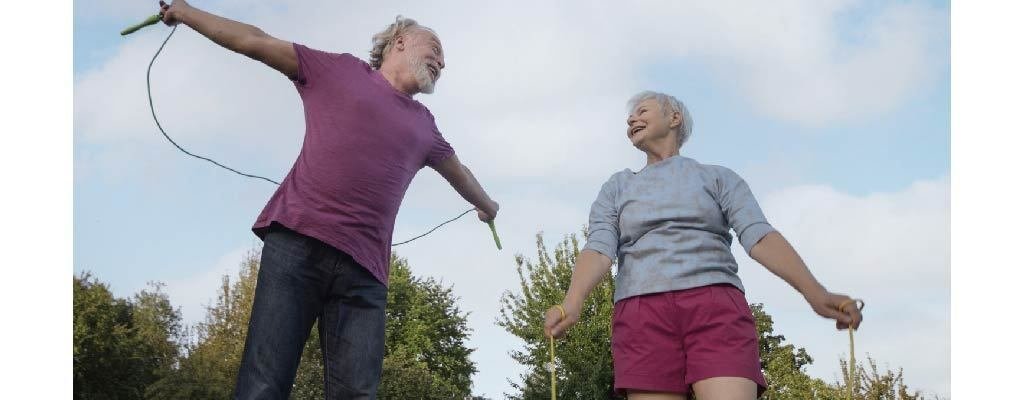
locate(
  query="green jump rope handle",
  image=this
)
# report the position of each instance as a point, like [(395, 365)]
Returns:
[(495, 234), (149, 21)]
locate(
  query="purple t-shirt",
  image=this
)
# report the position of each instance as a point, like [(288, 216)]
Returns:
[(364, 142)]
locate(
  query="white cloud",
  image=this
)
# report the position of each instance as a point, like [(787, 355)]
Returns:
[(525, 78), (131, 11)]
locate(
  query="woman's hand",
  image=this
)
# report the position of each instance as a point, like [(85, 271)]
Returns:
[(838, 307), (556, 324)]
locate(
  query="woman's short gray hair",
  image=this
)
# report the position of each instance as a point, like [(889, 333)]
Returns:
[(384, 40), (669, 105)]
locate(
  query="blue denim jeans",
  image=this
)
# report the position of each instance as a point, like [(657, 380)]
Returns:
[(301, 280)]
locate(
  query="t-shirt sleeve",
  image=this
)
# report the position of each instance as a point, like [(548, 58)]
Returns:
[(440, 149), (741, 210), (314, 65), (603, 223)]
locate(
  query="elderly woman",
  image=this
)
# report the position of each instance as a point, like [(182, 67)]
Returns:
[(681, 323)]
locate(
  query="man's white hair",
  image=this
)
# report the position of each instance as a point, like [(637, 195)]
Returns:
[(384, 40), (669, 105)]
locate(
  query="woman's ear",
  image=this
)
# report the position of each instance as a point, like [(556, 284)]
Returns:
[(675, 120)]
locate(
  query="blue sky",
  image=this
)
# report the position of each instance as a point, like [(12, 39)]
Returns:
[(837, 113)]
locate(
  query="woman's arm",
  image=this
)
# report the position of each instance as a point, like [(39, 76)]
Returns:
[(779, 257), (590, 268)]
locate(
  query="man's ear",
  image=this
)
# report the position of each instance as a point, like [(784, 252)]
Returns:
[(400, 43)]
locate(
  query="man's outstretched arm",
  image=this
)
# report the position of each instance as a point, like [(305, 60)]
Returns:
[(235, 36)]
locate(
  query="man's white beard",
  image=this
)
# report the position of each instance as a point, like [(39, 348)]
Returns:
[(422, 74)]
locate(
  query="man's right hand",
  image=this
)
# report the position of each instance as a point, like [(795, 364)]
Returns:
[(172, 13), (490, 214)]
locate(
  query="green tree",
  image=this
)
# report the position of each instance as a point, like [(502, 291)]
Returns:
[(584, 355), (103, 363), (784, 365), (426, 355), (215, 352), (425, 343), (309, 379), (157, 331), (119, 346), (873, 384)]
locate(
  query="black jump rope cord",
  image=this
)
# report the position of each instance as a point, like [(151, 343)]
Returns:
[(149, 93)]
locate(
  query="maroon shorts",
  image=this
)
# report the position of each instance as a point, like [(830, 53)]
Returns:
[(664, 342)]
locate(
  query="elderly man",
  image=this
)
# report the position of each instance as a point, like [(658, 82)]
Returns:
[(327, 230)]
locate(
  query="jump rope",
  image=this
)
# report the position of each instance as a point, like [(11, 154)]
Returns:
[(551, 366)]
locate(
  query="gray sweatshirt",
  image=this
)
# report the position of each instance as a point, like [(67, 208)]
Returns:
[(668, 226)]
